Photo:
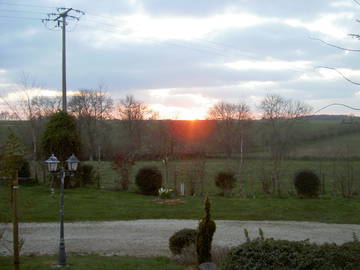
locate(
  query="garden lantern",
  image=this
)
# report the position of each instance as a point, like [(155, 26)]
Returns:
[(72, 164), (52, 163)]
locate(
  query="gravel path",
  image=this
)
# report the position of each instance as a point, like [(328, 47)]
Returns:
[(150, 237)]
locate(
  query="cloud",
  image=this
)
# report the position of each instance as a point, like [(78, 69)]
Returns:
[(268, 64), (142, 27), (200, 51)]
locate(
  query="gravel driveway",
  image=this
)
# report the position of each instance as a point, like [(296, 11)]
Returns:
[(150, 237)]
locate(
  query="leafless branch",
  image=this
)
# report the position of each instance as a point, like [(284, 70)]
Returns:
[(335, 46), (337, 104), (357, 2), (339, 72)]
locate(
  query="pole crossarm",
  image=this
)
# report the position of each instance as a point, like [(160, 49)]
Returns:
[(61, 14)]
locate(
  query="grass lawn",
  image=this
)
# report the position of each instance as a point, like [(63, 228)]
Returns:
[(93, 262), (89, 204)]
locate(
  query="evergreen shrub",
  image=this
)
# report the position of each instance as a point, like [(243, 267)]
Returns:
[(226, 181), (24, 170), (149, 180), (307, 184), (205, 233)]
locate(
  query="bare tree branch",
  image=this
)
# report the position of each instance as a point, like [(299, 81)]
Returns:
[(335, 46), (231, 121), (337, 104), (339, 72), (357, 2)]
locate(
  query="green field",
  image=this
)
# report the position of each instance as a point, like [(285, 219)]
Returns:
[(249, 177), (92, 263), (89, 204)]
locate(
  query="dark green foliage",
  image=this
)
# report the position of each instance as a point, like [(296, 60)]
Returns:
[(24, 169), (181, 239), (282, 254), (61, 137), (205, 235), (24, 174), (307, 184), (226, 181), (149, 180), (12, 159), (84, 175)]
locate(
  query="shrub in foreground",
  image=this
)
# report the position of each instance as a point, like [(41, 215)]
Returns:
[(307, 184), (282, 254), (149, 180), (181, 239)]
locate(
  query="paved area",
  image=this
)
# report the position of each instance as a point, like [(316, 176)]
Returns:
[(150, 237)]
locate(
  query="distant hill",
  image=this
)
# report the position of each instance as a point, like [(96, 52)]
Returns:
[(331, 117)]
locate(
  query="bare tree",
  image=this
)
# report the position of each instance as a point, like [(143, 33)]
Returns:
[(232, 120), (43, 106), (5, 115), (134, 115), (91, 108), (30, 108), (281, 114)]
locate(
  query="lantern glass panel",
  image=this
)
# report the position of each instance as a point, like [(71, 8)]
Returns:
[(52, 167), (72, 166), (52, 163), (72, 163)]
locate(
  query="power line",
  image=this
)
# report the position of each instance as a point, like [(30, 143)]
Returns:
[(22, 11), (20, 18), (24, 5)]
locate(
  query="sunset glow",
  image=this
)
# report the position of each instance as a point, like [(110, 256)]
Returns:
[(182, 57)]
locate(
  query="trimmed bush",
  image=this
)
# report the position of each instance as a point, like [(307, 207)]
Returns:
[(226, 181), (282, 254), (149, 180), (307, 184), (181, 239)]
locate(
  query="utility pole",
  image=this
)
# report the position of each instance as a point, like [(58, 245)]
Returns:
[(60, 18)]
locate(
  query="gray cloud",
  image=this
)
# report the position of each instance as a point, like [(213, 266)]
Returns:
[(193, 66)]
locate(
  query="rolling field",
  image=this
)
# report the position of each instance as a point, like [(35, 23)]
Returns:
[(250, 176)]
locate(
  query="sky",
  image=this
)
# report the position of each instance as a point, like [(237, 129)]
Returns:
[(183, 56)]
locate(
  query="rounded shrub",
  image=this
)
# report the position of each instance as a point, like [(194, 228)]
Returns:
[(226, 181), (181, 239), (307, 184), (148, 180), (284, 254)]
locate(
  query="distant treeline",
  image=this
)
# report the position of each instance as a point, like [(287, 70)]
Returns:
[(181, 139)]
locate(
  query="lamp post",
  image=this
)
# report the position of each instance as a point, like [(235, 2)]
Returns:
[(72, 164)]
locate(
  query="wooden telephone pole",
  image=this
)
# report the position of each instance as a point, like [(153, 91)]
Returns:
[(14, 189)]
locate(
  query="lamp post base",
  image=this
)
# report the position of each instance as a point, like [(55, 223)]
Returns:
[(60, 265)]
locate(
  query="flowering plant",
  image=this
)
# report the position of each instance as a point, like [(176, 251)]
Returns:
[(165, 193)]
